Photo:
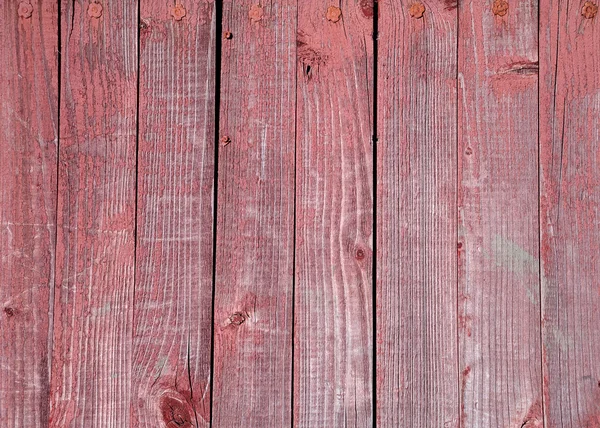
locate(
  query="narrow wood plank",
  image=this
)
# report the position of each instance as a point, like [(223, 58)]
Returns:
[(333, 309), (416, 215), (91, 370), (28, 141), (255, 218), (173, 293), (570, 185), (499, 305)]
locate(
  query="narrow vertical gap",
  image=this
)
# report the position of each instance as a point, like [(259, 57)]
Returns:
[(457, 215), (375, 188), (292, 385), (137, 146), (51, 297), (217, 127), (541, 300)]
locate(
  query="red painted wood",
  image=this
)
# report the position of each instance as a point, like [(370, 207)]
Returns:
[(416, 215), (334, 192), (255, 218), (499, 305), (28, 137), (570, 180), (91, 365), (173, 293)]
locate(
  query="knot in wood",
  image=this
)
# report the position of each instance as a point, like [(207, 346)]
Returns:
[(95, 10), (500, 7), (360, 254), (25, 9), (468, 151), (255, 13), (225, 140), (237, 318), (589, 10), (10, 312), (178, 12), (416, 10), (333, 13)]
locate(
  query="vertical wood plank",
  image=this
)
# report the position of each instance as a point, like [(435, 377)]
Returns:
[(570, 185), (91, 370), (416, 215), (173, 294), (499, 306), (255, 217), (333, 309), (29, 122)]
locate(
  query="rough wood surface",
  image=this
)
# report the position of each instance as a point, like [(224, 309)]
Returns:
[(91, 364), (173, 293), (334, 192), (416, 215), (28, 137), (255, 218), (570, 185), (498, 293)]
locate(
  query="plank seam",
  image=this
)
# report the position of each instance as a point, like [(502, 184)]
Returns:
[(218, 53), (374, 256)]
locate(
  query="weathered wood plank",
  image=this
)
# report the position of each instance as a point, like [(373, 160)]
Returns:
[(334, 193), (28, 141), (173, 293), (416, 215), (570, 196), (254, 248), (91, 366), (499, 306)]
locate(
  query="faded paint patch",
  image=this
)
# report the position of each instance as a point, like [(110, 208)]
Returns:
[(508, 255)]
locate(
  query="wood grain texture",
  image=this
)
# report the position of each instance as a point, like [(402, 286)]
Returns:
[(416, 216), (499, 304), (334, 193), (91, 366), (28, 145), (570, 185), (173, 293), (255, 218)]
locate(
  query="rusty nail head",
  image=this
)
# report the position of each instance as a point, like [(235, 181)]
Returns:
[(589, 10), (416, 10), (178, 12), (95, 10), (256, 13), (225, 140), (227, 35), (334, 13), (500, 7), (25, 9)]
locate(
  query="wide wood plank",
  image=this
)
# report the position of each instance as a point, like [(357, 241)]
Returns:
[(416, 215), (255, 218), (173, 293), (28, 146), (91, 366), (570, 222), (499, 302), (334, 228)]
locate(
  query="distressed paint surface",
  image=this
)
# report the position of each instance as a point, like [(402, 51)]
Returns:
[(333, 365), (498, 292), (416, 215), (28, 137), (91, 362), (173, 293), (121, 305), (570, 185), (255, 216)]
